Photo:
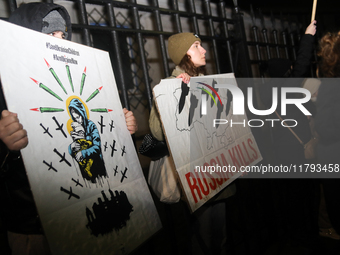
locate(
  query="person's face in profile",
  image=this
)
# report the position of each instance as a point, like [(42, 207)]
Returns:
[(197, 54)]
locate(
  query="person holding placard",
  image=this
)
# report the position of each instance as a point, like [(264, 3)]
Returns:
[(18, 211), (188, 54), (295, 212)]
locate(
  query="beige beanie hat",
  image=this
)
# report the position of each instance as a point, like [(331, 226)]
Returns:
[(179, 44)]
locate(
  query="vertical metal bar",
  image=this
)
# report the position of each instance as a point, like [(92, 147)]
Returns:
[(265, 37), (301, 28), (256, 38), (264, 33), (194, 18), (284, 36), (274, 32), (291, 36), (212, 33), (142, 54), (257, 47), (226, 32), (83, 20), (161, 39), (12, 5), (177, 17), (293, 45), (241, 44), (276, 41), (112, 22)]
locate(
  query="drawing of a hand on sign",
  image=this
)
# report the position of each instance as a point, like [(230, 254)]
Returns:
[(86, 145)]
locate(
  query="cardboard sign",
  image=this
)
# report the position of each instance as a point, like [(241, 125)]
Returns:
[(209, 152), (82, 165)]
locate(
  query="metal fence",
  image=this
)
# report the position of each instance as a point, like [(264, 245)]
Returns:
[(269, 42), (138, 35), (116, 26), (234, 41)]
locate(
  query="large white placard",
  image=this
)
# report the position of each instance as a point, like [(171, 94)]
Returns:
[(81, 162), (207, 157)]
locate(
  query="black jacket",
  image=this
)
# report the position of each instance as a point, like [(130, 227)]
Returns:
[(288, 147), (31, 16), (17, 208), (327, 121)]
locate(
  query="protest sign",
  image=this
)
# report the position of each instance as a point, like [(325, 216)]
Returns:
[(81, 162), (209, 144)]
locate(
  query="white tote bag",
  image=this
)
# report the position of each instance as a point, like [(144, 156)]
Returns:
[(163, 180)]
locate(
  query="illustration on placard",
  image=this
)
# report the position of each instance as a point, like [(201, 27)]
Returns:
[(110, 214), (81, 163), (202, 135), (86, 154), (86, 145), (201, 90)]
